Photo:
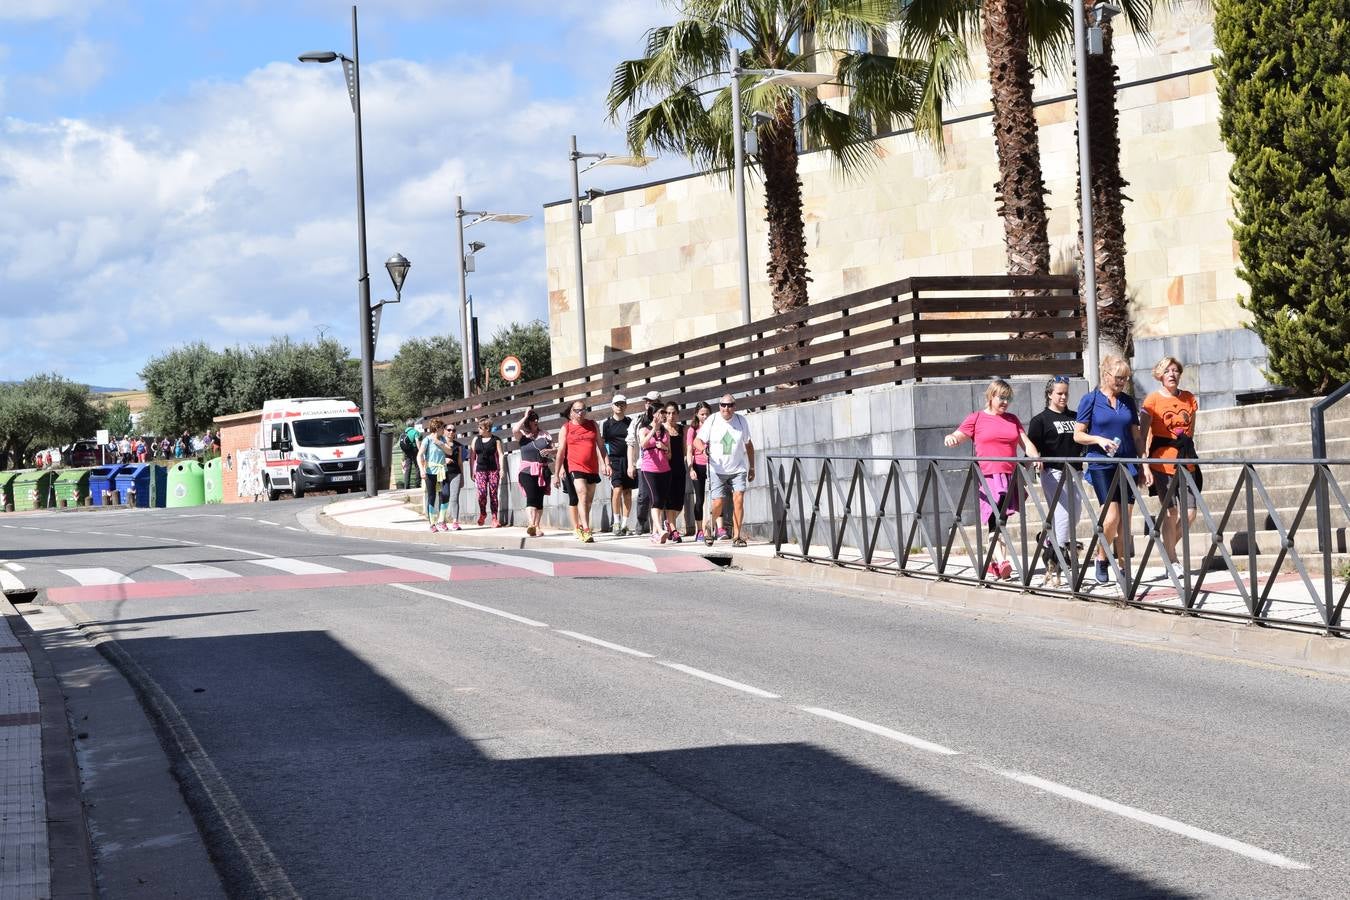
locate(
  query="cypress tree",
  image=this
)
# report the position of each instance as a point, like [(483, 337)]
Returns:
[(1284, 84)]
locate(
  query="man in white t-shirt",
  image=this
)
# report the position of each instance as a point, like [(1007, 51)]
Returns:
[(725, 437)]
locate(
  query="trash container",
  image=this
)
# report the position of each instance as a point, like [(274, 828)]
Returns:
[(213, 489), (72, 487), (185, 485), (147, 480), (7, 479), (32, 489), (101, 479)]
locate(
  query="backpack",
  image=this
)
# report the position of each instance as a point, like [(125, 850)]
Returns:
[(407, 445)]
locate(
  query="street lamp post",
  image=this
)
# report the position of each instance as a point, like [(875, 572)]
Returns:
[(1100, 12), (771, 76), (601, 159), (352, 69), (397, 266), (480, 216)]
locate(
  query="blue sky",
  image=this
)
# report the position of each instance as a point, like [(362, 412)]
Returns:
[(170, 173)]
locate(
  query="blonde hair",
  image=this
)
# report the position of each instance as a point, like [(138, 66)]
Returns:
[(1111, 363), (997, 388), (1162, 365)]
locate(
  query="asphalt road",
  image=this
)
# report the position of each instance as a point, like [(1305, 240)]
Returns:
[(685, 734)]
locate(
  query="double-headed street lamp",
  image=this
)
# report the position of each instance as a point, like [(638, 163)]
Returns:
[(771, 76), (479, 217), (601, 159), (352, 69)]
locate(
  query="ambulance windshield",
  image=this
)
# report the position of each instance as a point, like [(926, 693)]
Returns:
[(335, 432)]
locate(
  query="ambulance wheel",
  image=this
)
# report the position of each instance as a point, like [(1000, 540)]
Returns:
[(272, 493), (297, 489)]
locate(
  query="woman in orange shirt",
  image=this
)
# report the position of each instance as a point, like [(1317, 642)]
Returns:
[(1171, 435)]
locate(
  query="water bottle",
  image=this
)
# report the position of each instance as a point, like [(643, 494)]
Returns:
[(1112, 447)]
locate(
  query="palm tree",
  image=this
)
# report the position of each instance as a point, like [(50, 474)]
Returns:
[(672, 77)]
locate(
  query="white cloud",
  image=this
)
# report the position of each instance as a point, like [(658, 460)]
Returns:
[(44, 10)]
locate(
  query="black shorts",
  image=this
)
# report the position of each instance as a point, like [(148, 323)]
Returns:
[(533, 490), (618, 479), (1162, 480), (588, 477)]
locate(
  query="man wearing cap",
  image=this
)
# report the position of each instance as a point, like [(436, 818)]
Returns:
[(614, 433), (725, 437), (642, 514)]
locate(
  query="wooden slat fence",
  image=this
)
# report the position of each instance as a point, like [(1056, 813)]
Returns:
[(927, 327)]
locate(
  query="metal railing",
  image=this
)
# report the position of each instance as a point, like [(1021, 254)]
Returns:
[(1241, 553)]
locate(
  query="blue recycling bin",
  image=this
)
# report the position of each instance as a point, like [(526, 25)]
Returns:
[(149, 480), (102, 478)]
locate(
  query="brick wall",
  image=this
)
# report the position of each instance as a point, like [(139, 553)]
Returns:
[(237, 432)]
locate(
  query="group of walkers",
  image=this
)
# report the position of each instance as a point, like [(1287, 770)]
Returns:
[(129, 449), (655, 454), (1108, 423)]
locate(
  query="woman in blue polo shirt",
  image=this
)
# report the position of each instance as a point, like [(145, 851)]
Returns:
[(1109, 425)]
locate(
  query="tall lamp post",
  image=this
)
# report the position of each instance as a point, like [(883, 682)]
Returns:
[(479, 217), (1082, 38), (352, 69), (397, 266), (601, 159), (771, 76)]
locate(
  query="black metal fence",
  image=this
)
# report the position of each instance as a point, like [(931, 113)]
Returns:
[(1259, 540)]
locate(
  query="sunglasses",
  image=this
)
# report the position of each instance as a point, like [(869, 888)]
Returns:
[(727, 405), (1060, 379)]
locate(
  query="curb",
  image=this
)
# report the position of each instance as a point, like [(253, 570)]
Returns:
[(70, 854), (1238, 640)]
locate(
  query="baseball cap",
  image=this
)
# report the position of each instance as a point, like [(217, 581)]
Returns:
[(619, 398), (653, 395)]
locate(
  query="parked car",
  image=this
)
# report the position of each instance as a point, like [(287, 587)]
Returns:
[(81, 454)]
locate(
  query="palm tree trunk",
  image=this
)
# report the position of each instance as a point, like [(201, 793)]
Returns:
[(787, 270), (1021, 188), (1115, 336)]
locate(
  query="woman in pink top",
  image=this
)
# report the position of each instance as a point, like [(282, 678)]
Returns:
[(654, 450), (697, 464), (996, 432)]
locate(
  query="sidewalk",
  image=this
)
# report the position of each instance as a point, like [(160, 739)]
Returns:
[(24, 866)]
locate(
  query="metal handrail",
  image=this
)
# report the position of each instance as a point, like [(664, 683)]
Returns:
[(845, 510), (1318, 413)]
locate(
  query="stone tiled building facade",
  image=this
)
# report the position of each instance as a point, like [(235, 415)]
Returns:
[(660, 259)]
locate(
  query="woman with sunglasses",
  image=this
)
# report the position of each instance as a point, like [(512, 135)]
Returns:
[(536, 452), (580, 444), (654, 467), (1051, 430), (1108, 425), (675, 494)]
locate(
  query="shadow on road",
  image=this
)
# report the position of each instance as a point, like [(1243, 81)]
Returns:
[(361, 791)]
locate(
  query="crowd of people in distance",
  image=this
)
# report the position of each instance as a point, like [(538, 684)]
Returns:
[(129, 449), (1106, 423), (656, 455)]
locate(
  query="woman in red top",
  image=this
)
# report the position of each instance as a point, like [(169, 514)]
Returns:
[(580, 445), (996, 432)]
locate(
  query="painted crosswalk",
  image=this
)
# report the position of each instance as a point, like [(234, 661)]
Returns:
[(262, 574)]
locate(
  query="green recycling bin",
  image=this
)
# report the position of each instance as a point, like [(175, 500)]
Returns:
[(212, 487), (7, 480), (185, 484), (72, 487), (33, 490)]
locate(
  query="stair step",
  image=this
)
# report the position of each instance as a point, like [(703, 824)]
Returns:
[(1283, 412)]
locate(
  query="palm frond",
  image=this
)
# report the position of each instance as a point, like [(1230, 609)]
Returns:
[(846, 137)]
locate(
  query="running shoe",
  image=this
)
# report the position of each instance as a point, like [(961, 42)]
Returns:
[(698, 536), (657, 540), (1103, 572), (589, 537), (616, 529), (1005, 570), (721, 533), (664, 537), (455, 527), (495, 523), (581, 535), (482, 517), (623, 531), (675, 537), (992, 571), (434, 529)]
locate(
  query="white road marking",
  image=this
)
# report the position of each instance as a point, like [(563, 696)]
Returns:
[(9, 526), (9, 582), (196, 571), (295, 566), (293, 528), (95, 576), (406, 563), (13, 567), (882, 730), (465, 603), (636, 560), (606, 644), (528, 563), (718, 679), (1129, 812), (266, 522), (233, 549)]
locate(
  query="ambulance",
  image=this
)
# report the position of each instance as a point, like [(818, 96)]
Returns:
[(312, 443)]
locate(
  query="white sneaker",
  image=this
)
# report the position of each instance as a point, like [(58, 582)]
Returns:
[(1177, 571)]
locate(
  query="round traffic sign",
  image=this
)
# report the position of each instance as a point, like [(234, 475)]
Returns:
[(510, 369)]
